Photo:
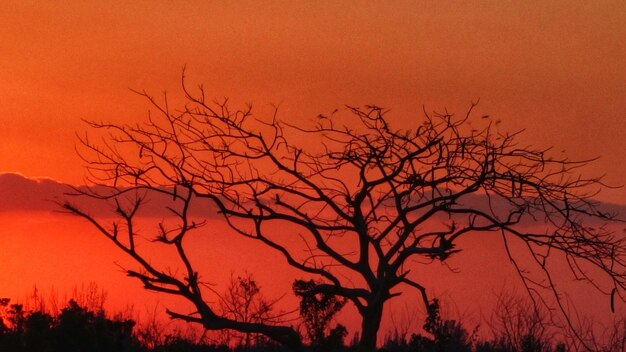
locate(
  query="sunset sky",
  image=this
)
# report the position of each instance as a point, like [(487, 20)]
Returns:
[(556, 69)]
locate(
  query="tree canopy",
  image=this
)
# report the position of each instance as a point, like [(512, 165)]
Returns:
[(360, 197)]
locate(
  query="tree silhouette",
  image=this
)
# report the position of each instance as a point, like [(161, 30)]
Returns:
[(518, 326), (317, 310), (75, 328), (361, 198), (244, 302), (447, 335)]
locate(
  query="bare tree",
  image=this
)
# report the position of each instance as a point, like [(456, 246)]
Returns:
[(601, 335), (360, 197), (518, 325), (243, 301)]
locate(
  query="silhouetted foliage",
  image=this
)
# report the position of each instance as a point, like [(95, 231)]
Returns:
[(519, 325), (75, 329), (183, 345), (363, 198), (39, 335), (82, 330), (447, 335), (243, 301), (317, 311)]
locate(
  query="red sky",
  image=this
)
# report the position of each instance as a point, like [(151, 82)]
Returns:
[(554, 68), (56, 252)]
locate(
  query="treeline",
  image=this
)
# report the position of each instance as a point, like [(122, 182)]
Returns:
[(77, 328), (82, 325)]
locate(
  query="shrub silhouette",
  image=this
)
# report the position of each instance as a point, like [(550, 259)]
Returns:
[(38, 333), (75, 329), (447, 335), (317, 310), (79, 329)]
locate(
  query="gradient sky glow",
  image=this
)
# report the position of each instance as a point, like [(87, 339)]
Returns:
[(556, 69)]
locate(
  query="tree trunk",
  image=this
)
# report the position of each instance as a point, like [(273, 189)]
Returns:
[(286, 336), (369, 327)]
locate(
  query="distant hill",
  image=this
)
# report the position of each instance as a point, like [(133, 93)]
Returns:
[(20, 193)]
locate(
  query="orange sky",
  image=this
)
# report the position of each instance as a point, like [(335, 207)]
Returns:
[(555, 69)]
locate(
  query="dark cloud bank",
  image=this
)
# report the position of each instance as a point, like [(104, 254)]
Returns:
[(21, 194)]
